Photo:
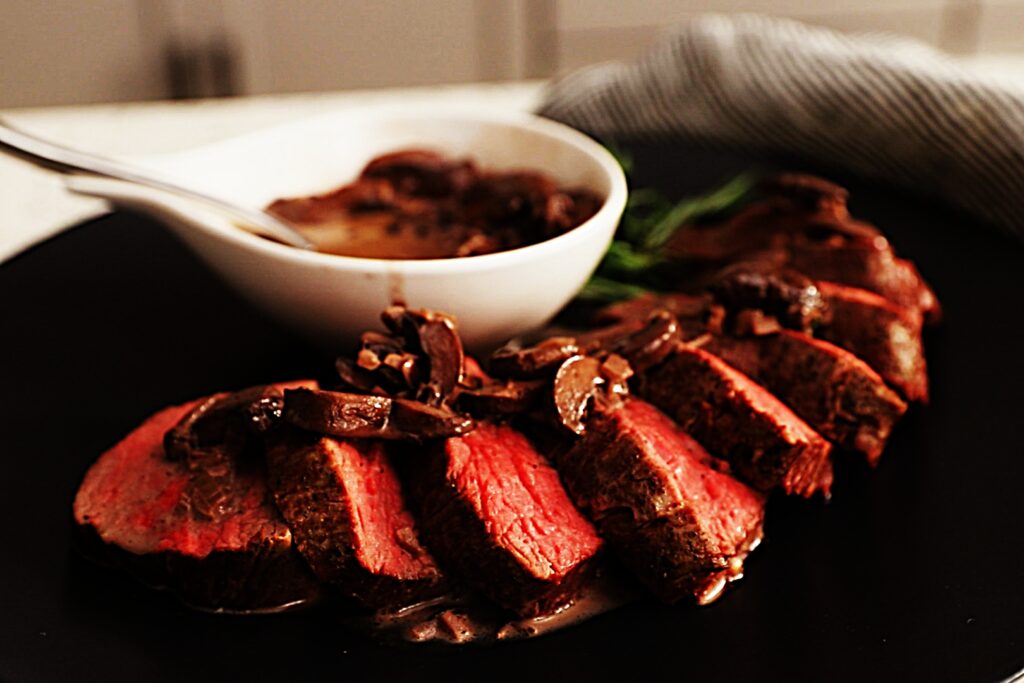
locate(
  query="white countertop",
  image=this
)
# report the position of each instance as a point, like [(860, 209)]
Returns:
[(34, 205)]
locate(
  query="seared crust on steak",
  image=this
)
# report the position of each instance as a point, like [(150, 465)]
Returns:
[(660, 500), (738, 420), (343, 500), (496, 515)]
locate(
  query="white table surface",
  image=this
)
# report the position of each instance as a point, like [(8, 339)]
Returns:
[(34, 205)]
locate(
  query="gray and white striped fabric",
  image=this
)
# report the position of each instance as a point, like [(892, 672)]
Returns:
[(880, 106)]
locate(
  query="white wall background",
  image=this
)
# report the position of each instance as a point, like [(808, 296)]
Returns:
[(82, 51)]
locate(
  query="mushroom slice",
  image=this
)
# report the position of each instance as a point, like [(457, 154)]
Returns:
[(358, 416)]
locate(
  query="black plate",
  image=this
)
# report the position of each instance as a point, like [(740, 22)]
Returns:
[(912, 572)]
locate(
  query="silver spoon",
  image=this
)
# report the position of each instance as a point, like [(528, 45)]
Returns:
[(54, 157)]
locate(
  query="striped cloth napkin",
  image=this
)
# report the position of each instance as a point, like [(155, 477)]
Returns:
[(880, 106)]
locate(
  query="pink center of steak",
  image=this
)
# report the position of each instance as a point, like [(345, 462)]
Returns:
[(383, 528), (132, 497), (728, 510), (520, 499)]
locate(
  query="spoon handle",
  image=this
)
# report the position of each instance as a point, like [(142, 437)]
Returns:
[(60, 159)]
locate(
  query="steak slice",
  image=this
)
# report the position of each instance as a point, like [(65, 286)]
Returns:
[(769, 224), (678, 523), (343, 501), (803, 223), (740, 421), (134, 510), (870, 268), (495, 513), (886, 336), (834, 391)]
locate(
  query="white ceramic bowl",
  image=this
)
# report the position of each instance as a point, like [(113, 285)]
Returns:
[(334, 298)]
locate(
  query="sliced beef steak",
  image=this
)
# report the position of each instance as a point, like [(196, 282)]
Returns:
[(737, 419), (768, 225), (834, 391), (870, 268), (886, 336), (803, 223), (495, 513), (343, 501), (136, 509), (678, 523)]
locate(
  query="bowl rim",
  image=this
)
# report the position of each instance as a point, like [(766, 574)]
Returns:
[(609, 212)]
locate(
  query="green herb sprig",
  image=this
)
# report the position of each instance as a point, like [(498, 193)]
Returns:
[(635, 262)]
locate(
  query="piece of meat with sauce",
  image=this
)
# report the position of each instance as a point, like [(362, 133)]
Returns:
[(662, 503), (803, 223), (495, 514), (829, 387), (738, 420), (876, 270), (793, 207), (885, 336), (838, 394), (343, 501), (138, 509)]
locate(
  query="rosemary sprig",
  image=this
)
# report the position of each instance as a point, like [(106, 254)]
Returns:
[(726, 197), (605, 289), (635, 262)]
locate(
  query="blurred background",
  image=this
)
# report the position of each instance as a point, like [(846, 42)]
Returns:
[(56, 52)]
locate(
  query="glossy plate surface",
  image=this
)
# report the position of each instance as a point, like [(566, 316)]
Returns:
[(912, 572)]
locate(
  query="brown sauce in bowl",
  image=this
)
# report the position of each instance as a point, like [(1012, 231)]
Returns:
[(417, 204)]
